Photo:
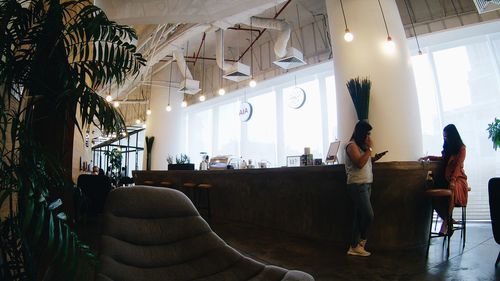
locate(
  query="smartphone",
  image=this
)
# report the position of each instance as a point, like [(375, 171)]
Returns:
[(378, 155)]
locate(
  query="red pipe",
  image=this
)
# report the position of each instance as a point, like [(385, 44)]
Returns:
[(199, 49)]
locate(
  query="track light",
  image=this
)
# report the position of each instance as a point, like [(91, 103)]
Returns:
[(148, 112), (116, 104), (168, 108), (109, 98), (184, 103), (202, 98), (222, 92), (252, 83), (138, 121)]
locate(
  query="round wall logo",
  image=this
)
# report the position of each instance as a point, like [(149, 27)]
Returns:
[(295, 98), (245, 111)]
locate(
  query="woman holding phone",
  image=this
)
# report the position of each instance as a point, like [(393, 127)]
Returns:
[(358, 165), (452, 174)]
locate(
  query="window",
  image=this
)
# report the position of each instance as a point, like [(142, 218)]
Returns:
[(259, 133), (275, 129), (459, 83)]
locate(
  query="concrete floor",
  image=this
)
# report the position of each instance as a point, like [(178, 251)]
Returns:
[(325, 261), (329, 262)]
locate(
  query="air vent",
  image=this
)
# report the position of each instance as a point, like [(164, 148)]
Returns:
[(189, 86), (484, 6), (293, 58), (237, 72)]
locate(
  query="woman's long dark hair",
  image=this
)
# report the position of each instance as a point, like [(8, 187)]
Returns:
[(360, 132), (452, 144)]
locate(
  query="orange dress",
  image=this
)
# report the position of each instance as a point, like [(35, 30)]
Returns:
[(454, 172)]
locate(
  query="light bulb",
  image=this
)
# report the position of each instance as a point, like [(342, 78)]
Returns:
[(168, 108), (202, 98), (109, 98), (252, 83), (116, 104), (138, 121), (348, 35), (222, 92), (148, 112), (389, 45), (184, 103)]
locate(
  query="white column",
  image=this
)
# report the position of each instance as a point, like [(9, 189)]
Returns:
[(168, 128), (394, 112)]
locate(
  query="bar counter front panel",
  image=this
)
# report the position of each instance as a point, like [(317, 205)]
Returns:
[(313, 202)]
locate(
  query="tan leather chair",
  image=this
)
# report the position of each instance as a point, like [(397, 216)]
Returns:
[(156, 234)]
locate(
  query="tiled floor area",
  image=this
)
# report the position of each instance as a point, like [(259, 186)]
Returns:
[(329, 262)]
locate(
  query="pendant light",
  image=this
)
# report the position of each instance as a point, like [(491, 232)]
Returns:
[(148, 110), (413, 27), (389, 44), (221, 89), (169, 108), (252, 82), (348, 35), (202, 96), (109, 98)]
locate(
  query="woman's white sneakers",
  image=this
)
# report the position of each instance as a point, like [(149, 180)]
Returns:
[(359, 250)]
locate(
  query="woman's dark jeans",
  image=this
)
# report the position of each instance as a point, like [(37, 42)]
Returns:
[(363, 212)]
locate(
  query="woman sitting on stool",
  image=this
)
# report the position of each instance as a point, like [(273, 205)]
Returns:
[(452, 174)]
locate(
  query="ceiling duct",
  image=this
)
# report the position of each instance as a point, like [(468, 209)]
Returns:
[(293, 58), (484, 6), (276, 24), (237, 72), (286, 57), (188, 85)]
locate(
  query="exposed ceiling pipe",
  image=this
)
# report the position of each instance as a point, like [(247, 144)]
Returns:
[(263, 30), (276, 24), (181, 63), (219, 50)]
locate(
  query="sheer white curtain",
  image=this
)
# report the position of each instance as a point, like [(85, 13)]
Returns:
[(458, 82), (275, 130)]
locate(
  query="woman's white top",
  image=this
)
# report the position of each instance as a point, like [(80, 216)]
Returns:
[(354, 174)]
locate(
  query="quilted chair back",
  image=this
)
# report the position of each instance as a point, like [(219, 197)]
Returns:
[(153, 234)]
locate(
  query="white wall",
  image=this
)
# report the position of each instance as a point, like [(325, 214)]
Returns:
[(168, 128)]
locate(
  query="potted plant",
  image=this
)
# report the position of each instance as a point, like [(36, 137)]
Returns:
[(115, 162), (494, 133), (359, 90), (182, 162), (149, 148), (54, 56)]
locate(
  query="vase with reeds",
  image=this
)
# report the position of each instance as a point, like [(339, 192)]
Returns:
[(359, 89)]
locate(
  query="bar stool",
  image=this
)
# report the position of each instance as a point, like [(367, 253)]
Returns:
[(166, 184), (195, 192), (461, 224), (435, 193), (189, 189), (204, 188)]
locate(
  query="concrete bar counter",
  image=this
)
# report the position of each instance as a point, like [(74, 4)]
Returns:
[(312, 202)]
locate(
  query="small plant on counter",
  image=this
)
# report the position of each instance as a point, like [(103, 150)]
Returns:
[(494, 133), (170, 159), (182, 159)]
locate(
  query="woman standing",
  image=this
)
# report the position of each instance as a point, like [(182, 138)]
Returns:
[(452, 174), (358, 165)]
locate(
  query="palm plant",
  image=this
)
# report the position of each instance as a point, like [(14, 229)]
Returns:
[(494, 133), (359, 89), (54, 56)]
